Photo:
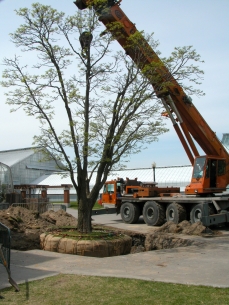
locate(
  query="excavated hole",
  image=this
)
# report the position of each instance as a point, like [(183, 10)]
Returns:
[(27, 226)]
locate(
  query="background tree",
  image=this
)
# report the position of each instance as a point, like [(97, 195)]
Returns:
[(108, 108)]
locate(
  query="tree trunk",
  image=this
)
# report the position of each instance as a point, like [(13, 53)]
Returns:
[(84, 215)]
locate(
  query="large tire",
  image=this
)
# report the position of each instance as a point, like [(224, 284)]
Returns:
[(197, 212), (153, 213), (176, 213), (130, 212)]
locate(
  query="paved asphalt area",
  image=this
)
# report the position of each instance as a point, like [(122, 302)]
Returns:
[(207, 264)]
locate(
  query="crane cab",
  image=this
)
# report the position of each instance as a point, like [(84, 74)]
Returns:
[(208, 176)]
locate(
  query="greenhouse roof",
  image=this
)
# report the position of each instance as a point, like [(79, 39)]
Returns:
[(11, 157)]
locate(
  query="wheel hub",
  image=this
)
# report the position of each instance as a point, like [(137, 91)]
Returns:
[(150, 213), (126, 212), (198, 214), (171, 214)]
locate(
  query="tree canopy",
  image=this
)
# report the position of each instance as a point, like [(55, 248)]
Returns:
[(94, 105)]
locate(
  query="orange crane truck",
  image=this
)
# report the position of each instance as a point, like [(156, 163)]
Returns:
[(204, 198)]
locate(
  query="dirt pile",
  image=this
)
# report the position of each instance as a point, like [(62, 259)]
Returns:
[(60, 218), (166, 237), (26, 225), (158, 241), (184, 227)]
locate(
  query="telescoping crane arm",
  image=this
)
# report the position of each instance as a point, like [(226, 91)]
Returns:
[(187, 121)]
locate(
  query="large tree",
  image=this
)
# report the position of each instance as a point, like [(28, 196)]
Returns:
[(108, 108)]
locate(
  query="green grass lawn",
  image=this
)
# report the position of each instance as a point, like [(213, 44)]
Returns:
[(74, 205), (74, 289)]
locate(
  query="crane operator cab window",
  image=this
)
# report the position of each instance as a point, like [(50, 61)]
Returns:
[(108, 189), (198, 170), (215, 168)]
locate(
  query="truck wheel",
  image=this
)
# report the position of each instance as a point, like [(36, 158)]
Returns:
[(130, 212), (197, 211), (175, 212), (153, 213)]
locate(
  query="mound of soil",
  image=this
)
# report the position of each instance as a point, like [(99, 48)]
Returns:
[(158, 241), (184, 227), (167, 236), (26, 225)]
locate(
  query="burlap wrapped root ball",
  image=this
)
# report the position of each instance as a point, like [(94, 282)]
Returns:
[(120, 245)]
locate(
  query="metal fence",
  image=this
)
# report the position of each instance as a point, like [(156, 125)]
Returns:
[(39, 207), (5, 243)]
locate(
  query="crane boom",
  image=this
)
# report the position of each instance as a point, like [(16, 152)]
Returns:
[(187, 121)]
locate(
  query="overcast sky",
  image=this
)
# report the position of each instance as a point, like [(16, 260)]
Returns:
[(204, 24)]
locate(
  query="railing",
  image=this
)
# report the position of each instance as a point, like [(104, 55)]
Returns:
[(39, 207)]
